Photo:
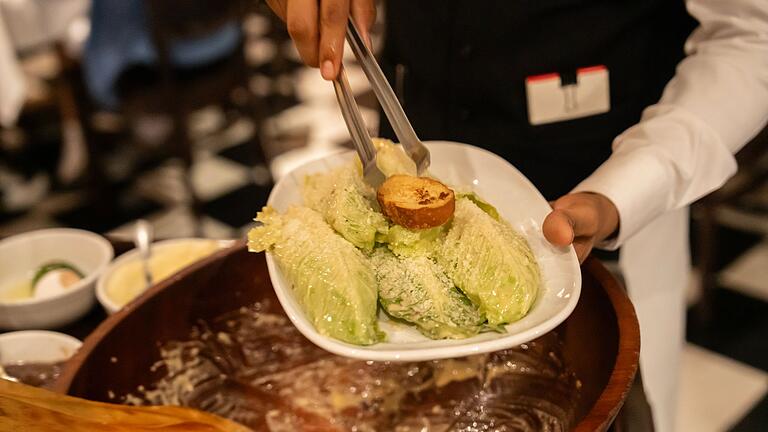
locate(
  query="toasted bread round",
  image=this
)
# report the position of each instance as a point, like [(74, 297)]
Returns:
[(416, 202)]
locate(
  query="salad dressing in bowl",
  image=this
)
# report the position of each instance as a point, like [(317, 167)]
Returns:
[(123, 280), (127, 281)]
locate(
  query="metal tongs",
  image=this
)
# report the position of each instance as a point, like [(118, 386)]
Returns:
[(413, 147)]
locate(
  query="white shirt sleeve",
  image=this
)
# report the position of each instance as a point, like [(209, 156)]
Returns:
[(12, 85), (683, 146)]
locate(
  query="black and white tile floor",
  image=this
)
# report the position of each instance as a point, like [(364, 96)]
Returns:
[(724, 381)]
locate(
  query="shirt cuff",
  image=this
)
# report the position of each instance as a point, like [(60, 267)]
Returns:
[(631, 181), (666, 161)]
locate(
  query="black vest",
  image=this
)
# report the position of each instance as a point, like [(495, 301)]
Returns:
[(463, 66)]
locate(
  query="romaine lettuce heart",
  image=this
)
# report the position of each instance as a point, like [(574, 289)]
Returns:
[(347, 204), (491, 263), (331, 279), (408, 243), (416, 289)]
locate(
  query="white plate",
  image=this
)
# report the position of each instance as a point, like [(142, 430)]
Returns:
[(519, 202)]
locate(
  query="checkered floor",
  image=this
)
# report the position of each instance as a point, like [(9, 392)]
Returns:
[(724, 382)]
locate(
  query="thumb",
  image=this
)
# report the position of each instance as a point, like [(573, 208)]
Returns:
[(573, 216), (558, 228)]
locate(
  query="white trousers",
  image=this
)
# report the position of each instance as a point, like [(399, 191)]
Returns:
[(656, 266)]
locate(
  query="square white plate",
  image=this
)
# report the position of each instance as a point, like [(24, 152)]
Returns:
[(464, 167)]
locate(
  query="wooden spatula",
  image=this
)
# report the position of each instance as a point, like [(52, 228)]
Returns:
[(30, 409)]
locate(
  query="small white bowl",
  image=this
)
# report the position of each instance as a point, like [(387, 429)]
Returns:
[(22, 254), (36, 346), (109, 304), (519, 202)]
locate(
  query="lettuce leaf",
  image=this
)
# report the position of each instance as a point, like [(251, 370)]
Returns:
[(408, 243), (483, 204), (491, 263), (347, 204), (332, 280), (391, 159), (416, 290)]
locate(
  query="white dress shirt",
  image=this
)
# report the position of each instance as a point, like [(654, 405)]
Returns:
[(681, 150), (717, 101)]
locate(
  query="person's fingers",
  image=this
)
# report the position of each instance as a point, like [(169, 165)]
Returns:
[(333, 27), (593, 214), (364, 14), (583, 246), (581, 219), (302, 21), (558, 228), (572, 217), (581, 210), (279, 7)]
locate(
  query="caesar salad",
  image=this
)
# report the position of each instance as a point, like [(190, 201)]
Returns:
[(416, 251)]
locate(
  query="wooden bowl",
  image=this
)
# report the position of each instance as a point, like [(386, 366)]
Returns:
[(601, 338)]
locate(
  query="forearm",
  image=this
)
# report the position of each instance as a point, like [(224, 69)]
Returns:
[(683, 147)]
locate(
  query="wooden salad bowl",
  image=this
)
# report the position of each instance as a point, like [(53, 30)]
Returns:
[(601, 339)]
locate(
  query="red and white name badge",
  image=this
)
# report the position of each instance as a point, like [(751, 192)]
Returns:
[(551, 99)]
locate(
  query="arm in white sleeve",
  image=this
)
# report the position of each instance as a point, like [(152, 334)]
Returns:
[(683, 146)]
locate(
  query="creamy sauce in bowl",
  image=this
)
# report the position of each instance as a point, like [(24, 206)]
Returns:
[(126, 281)]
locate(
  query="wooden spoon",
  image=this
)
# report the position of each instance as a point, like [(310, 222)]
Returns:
[(30, 409)]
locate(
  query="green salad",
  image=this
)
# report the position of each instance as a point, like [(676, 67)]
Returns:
[(347, 262)]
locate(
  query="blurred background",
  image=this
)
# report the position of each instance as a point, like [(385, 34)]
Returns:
[(183, 118), (184, 113)]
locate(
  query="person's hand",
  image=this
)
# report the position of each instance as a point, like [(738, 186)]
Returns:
[(317, 27), (583, 219)]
